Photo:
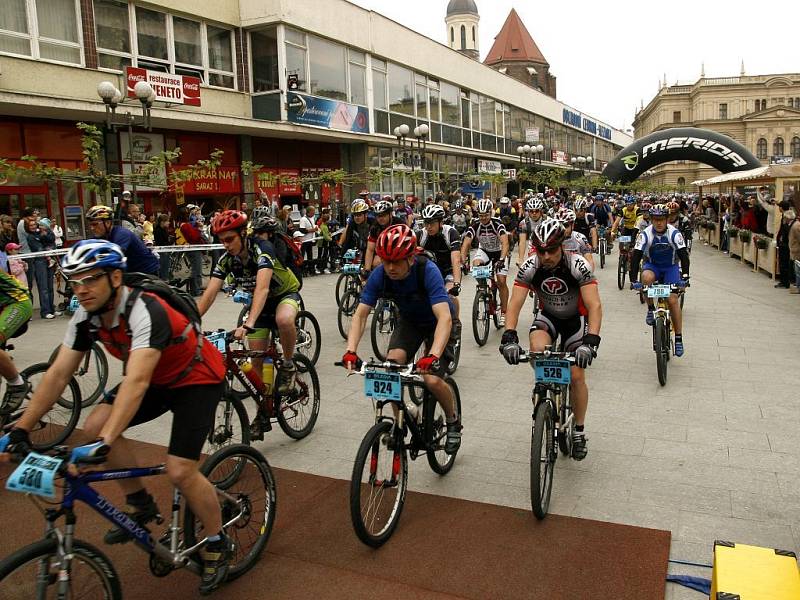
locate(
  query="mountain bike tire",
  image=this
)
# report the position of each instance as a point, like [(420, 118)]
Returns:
[(91, 375), (621, 269), (435, 428), (542, 459), (662, 350), (480, 318)]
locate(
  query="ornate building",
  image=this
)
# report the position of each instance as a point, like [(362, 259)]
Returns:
[(762, 112), (462, 27), (516, 54)]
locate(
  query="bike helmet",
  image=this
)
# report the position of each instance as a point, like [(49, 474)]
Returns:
[(673, 207), (92, 254), (396, 242), (630, 200), (485, 206), (228, 220), (534, 204), (600, 197), (359, 206), (266, 223), (658, 210), (458, 204), (99, 213), (566, 216), (383, 206), (433, 212), (580, 205), (504, 200), (548, 234), (646, 206)]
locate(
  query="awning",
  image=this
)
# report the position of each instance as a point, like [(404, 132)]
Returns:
[(769, 171)]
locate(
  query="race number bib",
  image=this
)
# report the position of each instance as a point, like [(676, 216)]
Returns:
[(552, 371), (383, 386), (482, 272), (658, 291), (35, 475)]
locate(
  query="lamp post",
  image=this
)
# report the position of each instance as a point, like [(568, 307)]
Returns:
[(420, 136), (112, 98)]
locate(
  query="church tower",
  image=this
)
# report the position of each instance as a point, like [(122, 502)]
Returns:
[(462, 27)]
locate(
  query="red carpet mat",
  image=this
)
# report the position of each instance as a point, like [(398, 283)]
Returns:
[(443, 548)]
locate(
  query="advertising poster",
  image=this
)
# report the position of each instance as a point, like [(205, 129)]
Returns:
[(332, 114)]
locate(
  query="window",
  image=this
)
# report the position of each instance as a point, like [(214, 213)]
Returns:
[(327, 72), (777, 146), (761, 148), (379, 85), (264, 53), (676, 116), (723, 110), (187, 41), (151, 28), (450, 95), (433, 94), (220, 57), (401, 90), (452, 36), (113, 34), (296, 57), (422, 102), (357, 65), (795, 147), (487, 115), (46, 29), (681, 184), (463, 38), (473, 35)]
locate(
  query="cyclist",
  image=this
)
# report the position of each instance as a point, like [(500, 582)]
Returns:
[(384, 218), (664, 248), (492, 249), (627, 218), (357, 230), (585, 223), (570, 308), (573, 241), (603, 215), (534, 208), (459, 219), (444, 245), (16, 309), (425, 315), (402, 210), (644, 217), (140, 258), (508, 217), (167, 368), (254, 265)]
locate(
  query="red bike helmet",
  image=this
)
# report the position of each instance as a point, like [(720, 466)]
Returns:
[(396, 242), (228, 220)]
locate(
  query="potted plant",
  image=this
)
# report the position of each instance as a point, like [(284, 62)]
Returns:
[(761, 241), (745, 235), (733, 232)]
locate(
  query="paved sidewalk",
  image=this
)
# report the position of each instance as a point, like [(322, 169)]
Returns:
[(713, 455)]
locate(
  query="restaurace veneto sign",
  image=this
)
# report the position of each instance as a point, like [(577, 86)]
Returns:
[(174, 89)]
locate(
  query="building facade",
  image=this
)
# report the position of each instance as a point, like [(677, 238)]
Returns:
[(298, 88), (761, 112)]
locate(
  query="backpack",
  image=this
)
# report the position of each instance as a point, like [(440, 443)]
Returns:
[(177, 299), (294, 258)]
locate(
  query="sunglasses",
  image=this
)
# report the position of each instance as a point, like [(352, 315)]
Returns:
[(548, 251), (88, 281), (228, 239)]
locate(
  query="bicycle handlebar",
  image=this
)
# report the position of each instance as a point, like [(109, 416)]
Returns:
[(525, 357), (406, 371)]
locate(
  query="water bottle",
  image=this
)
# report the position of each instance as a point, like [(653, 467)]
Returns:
[(253, 376), (413, 410), (267, 375)]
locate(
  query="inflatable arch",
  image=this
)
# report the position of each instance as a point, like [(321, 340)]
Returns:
[(680, 143)]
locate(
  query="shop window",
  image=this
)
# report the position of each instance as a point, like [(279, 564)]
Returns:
[(761, 148), (777, 147), (327, 68), (795, 147), (264, 59), (401, 86), (41, 29)]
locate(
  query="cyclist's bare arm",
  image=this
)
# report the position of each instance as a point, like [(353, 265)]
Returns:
[(591, 300), (455, 261), (357, 326), (263, 278), (444, 322), (138, 372), (503, 246), (51, 387), (523, 247), (370, 256), (518, 296), (465, 248), (208, 297)]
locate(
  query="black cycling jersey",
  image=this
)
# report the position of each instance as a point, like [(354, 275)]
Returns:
[(489, 235), (357, 235), (440, 246), (585, 225), (558, 289), (376, 229)]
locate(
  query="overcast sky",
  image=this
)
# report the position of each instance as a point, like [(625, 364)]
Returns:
[(608, 56)]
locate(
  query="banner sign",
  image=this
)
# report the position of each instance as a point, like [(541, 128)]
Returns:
[(780, 160), (489, 166), (331, 114), (174, 89), (222, 180), (578, 121), (510, 173), (531, 134), (145, 146), (560, 157), (273, 182)]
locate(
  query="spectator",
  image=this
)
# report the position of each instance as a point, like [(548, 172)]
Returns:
[(324, 243), (130, 220), (41, 272), (749, 220), (308, 227), (191, 233), (283, 220), (768, 204), (161, 238), (782, 242), (794, 246), (148, 229), (8, 234), (16, 266)]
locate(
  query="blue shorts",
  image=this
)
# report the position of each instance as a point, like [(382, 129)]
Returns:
[(670, 274)]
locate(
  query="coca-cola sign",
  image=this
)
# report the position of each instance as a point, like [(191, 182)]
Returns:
[(174, 89)]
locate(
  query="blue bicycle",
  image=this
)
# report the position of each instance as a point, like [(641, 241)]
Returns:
[(63, 566)]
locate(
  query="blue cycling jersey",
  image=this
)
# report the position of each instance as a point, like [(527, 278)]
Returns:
[(660, 249), (140, 258)]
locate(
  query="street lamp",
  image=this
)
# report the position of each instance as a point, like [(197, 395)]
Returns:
[(420, 136), (530, 154), (112, 98)]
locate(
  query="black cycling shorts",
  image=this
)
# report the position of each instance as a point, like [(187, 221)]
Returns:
[(266, 320), (571, 330), (410, 336), (193, 409)]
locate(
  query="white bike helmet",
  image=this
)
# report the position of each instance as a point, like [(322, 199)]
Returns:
[(93, 254), (383, 207), (485, 206), (548, 234), (433, 212), (566, 216), (534, 204)]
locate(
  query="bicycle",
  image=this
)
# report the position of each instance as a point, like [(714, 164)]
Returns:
[(484, 304), (380, 469), (602, 244), (296, 412), (64, 566), (384, 320), (350, 298), (622, 262), (59, 422), (553, 421), (349, 279), (91, 374), (662, 325)]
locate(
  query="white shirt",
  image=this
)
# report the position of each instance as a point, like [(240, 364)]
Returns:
[(308, 224)]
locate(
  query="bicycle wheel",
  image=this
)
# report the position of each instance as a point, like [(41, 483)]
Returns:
[(35, 570), (91, 375), (231, 425), (621, 268), (603, 254), (453, 365), (493, 306), (309, 336), (378, 485), (543, 459), (244, 475), (340, 287), (682, 296), (384, 319), (480, 318), (57, 424), (662, 350), (346, 311), (435, 423), (299, 409)]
